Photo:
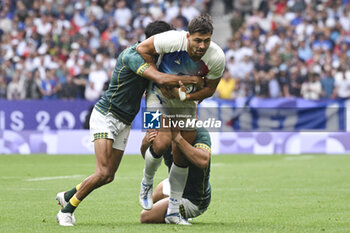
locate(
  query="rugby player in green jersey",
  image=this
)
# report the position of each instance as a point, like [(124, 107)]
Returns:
[(111, 119), (196, 196)]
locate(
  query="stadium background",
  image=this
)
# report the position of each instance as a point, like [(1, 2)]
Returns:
[(57, 56), (255, 193)]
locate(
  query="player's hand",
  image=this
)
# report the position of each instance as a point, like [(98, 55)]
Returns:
[(150, 135), (182, 87), (175, 133), (199, 83), (169, 92)]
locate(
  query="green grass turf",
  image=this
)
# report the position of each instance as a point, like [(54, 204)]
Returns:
[(309, 193)]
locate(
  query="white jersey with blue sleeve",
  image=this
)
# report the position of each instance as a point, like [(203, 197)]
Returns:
[(174, 59), (172, 46)]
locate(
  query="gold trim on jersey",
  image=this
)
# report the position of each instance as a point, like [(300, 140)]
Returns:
[(205, 171), (142, 68), (202, 145), (100, 110), (118, 86)]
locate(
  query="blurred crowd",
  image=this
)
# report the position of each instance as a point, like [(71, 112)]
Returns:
[(67, 49), (288, 48)]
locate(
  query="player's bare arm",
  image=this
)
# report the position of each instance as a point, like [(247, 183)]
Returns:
[(205, 92), (147, 50), (170, 79), (173, 92), (197, 156)]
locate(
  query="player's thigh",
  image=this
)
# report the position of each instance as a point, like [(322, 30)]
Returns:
[(110, 136), (157, 213), (107, 158)]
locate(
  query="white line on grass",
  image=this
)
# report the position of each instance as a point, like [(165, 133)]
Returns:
[(54, 178), (321, 189)]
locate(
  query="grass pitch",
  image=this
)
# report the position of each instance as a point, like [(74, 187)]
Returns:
[(309, 193)]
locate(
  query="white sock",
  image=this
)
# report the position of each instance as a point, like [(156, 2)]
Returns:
[(177, 179), (151, 166)]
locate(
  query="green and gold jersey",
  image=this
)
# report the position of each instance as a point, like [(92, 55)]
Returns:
[(197, 188), (124, 94)]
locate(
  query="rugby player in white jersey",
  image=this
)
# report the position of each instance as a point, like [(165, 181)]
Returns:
[(181, 53)]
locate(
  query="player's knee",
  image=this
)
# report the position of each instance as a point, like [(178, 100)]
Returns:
[(105, 176), (160, 147), (144, 217), (109, 178)]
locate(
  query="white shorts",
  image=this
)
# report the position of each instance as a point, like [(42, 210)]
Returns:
[(191, 210), (108, 126), (171, 108)]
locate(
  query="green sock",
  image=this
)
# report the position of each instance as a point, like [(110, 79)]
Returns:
[(69, 208), (69, 194)]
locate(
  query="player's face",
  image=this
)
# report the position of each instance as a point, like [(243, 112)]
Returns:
[(198, 45)]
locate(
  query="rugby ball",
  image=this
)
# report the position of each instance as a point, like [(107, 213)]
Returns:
[(190, 88)]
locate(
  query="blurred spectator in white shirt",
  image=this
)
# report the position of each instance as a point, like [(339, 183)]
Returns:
[(122, 15), (342, 83), (96, 81), (172, 10), (189, 11), (245, 67), (156, 10), (311, 89), (94, 9), (15, 89)]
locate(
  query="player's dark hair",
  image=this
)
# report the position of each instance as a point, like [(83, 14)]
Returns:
[(156, 27), (201, 24)]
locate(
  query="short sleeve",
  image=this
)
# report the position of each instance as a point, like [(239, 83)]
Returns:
[(134, 61), (170, 41), (216, 61), (217, 70), (203, 139)]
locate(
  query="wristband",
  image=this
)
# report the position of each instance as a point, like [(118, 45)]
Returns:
[(182, 95)]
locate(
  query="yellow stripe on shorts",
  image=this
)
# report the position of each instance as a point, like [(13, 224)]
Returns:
[(100, 135)]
